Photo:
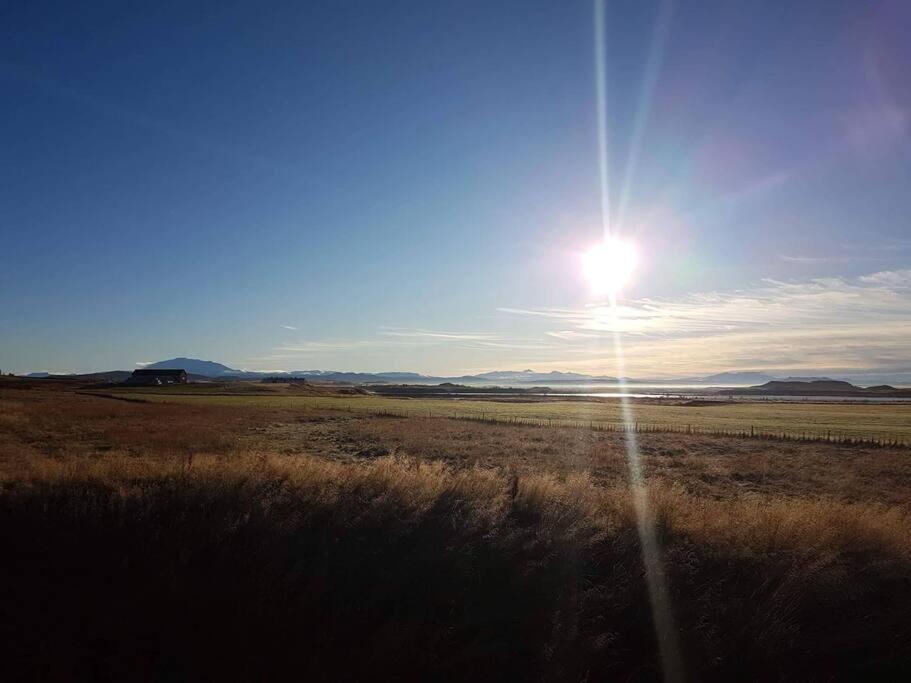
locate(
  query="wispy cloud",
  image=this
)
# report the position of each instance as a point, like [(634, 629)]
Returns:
[(789, 258), (551, 313), (468, 340), (353, 348), (811, 326), (409, 333), (891, 246), (571, 335), (397, 342), (882, 249), (289, 327), (827, 322), (329, 345), (316, 350)]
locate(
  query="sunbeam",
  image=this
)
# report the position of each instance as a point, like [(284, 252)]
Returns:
[(601, 95), (612, 272), (652, 556), (644, 105)]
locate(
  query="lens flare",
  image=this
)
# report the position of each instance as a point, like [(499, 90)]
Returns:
[(608, 267)]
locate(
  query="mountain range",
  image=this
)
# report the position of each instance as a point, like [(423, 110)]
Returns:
[(202, 369), (218, 370), (210, 369)]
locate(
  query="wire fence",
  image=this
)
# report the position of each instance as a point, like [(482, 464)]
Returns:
[(805, 435), (747, 432)]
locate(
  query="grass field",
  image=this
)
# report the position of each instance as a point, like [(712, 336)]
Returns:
[(817, 420), (264, 538)]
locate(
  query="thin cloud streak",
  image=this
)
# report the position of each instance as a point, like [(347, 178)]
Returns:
[(391, 340), (408, 333), (854, 324), (468, 340), (825, 322), (788, 258)]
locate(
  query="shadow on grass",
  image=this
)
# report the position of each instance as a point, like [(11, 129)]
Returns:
[(264, 569)]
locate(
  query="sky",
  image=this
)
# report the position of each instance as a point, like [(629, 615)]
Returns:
[(378, 186)]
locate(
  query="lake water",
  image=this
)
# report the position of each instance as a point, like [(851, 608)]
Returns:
[(714, 397)]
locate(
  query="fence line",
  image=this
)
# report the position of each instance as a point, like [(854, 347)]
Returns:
[(801, 436), (751, 432)]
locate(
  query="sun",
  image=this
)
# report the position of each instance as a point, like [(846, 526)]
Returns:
[(609, 265)]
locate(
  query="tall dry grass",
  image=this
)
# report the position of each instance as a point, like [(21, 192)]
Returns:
[(255, 566)]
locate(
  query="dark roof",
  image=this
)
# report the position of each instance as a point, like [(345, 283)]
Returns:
[(164, 372)]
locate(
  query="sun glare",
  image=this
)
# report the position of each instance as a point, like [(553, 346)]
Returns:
[(609, 265)]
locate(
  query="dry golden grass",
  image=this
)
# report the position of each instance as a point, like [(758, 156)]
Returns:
[(225, 544), (706, 466), (827, 421)]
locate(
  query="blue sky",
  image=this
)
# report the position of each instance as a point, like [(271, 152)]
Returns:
[(409, 185)]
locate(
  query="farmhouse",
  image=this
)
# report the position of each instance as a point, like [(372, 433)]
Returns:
[(158, 377)]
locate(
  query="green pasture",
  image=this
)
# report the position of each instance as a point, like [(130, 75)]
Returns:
[(813, 420)]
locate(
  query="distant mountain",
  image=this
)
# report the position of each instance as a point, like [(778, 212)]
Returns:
[(807, 379), (819, 387), (212, 369), (403, 375), (194, 366), (336, 376), (497, 375), (202, 369), (524, 376), (218, 370), (737, 378)]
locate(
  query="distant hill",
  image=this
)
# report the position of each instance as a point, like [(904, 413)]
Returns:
[(806, 379), (737, 378), (194, 366), (211, 369), (819, 387), (355, 377), (206, 369), (524, 376), (402, 375), (814, 386)]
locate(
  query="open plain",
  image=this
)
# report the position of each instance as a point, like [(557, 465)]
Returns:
[(178, 537)]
